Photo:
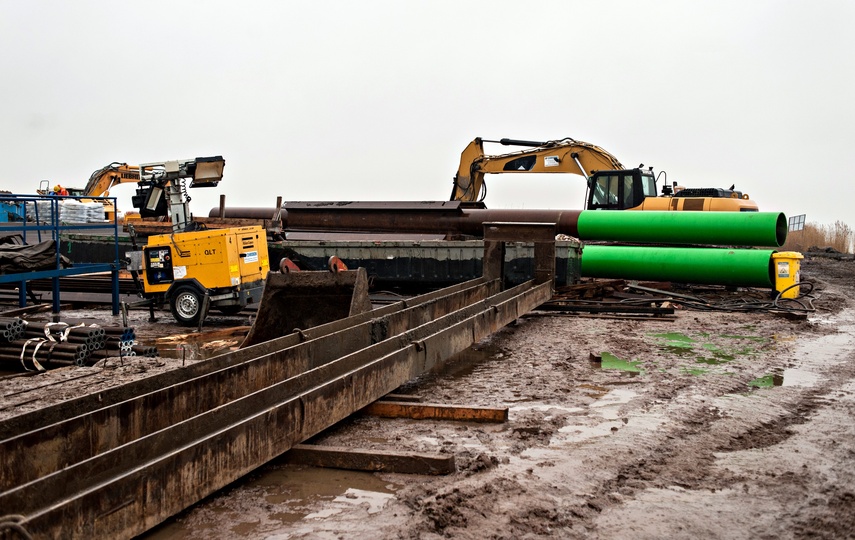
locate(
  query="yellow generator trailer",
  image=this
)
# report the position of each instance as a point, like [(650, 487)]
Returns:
[(224, 268)]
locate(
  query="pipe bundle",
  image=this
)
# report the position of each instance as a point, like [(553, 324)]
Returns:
[(11, 328), (43, 345), (92, 337), (39, 354)]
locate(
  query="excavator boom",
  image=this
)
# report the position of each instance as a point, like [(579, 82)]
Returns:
[(102, 180), (558, 156)]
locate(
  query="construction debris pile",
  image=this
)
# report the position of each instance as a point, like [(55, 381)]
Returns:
[(38, 346), (627, 298)]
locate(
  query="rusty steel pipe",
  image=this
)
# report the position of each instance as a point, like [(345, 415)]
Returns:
[(447, 217)]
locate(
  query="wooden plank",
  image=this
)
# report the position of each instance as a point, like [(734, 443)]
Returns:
[(433, 411), (605, 307), (359, 459), (403, 397)]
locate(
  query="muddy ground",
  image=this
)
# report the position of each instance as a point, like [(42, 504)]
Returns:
[(711, 425), (714, 425)]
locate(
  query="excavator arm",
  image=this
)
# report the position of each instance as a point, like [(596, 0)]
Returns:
[(559, 156), (102, 180)]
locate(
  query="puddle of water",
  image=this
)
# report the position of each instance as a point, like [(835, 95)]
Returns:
[(610, 361), (594, 390), (291, 493), (606, 407), (546, 407), (799, 377), (579, 433), (469, 361), (609, 404), (373, 501), (814, 356)]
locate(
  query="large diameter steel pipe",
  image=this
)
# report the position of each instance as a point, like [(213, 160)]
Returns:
[(394, 217), (728, 228), (452, 218), (710, 266)]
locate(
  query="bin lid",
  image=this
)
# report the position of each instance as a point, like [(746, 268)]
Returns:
[(788, 255)]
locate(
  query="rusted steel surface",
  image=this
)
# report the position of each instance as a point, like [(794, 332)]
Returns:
[(128, 466), (370, 460), (118, 464), (31, 453), (458, 294), (433, 411), (446, 217), (301, 300), (496, 234)]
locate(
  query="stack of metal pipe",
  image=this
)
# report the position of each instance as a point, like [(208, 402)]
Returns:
[(144, 350), (37, 346), (120, 341), (39, 354), (11, 328)]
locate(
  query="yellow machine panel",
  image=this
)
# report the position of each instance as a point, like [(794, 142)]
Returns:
[(217, 258), (702, 204)]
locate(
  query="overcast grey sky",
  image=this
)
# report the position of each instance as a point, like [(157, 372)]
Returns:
[(375, 100)]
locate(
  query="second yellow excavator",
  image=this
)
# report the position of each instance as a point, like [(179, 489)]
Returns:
[(610, 185), (102, 181)]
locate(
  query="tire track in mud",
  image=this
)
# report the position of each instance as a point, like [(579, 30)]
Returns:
[(589, 452), (726, 419)]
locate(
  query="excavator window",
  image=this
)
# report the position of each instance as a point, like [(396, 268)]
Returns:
[(648, 185), (605, 192), (524, 163)]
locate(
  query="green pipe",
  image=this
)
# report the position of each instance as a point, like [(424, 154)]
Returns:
[(712, 266), (721, 228)]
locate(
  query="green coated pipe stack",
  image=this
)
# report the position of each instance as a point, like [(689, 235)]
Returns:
[(717, 228), (711, 266)]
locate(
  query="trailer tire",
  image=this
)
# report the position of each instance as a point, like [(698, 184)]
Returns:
[(186, 305), (230, 310)]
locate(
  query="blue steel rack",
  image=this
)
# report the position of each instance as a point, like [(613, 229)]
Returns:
[(51, 227)]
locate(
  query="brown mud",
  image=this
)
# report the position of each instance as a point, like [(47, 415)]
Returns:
[(713, 425)]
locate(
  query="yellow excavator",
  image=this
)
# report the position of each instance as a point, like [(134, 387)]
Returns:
[(99, 185), (102, 181), (611, 186)]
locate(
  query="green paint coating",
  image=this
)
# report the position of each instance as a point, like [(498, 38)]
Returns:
[(766, 381), (711, 266), (728, 228), (610, 361)]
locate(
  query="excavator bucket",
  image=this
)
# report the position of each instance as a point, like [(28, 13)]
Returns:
[(296, 300)]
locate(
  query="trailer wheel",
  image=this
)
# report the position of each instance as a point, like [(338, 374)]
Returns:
[(230, 310), (186, 304)]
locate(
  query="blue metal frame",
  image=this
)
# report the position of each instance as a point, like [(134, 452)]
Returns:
[(53, 225)]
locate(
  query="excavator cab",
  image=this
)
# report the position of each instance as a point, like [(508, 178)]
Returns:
[(620, 190)]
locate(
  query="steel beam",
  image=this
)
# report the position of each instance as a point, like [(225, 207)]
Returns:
[(124, 491)]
